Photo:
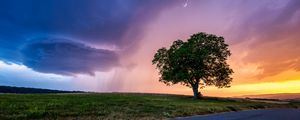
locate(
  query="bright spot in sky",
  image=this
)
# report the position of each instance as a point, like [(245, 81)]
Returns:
[(19, 75), (23, 71), (186, 3)]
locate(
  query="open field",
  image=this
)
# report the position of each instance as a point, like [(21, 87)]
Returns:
[(118, 106)]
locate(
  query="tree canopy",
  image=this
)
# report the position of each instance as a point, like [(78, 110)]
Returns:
[(198, 62)]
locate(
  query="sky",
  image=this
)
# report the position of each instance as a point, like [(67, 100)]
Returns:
[(108, 45)]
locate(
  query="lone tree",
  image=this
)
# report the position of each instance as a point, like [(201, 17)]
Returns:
[(196, 63)]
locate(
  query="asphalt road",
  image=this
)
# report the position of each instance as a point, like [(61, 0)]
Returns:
[(269, 114)]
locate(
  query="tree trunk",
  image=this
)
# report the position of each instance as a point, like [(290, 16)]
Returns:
[(195, 90)]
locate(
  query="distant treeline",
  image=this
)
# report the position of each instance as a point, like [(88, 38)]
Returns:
[(24, 90)]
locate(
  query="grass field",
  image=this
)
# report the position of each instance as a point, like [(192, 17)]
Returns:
[(116, 106)]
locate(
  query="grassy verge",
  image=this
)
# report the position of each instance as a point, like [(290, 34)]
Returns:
[(117, 106)]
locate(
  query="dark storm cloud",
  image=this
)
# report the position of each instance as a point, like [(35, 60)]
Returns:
[(117, 23), (66, 57)]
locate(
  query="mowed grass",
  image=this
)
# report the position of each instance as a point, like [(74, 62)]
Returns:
[(116, 106)]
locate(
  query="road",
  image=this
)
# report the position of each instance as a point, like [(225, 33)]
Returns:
[(269, 114)]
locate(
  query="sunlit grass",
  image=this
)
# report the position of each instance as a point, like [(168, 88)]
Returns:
[(115, 106)]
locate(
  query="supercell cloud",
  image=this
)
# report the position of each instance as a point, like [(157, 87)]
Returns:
[(72, 36), (65, 57)]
